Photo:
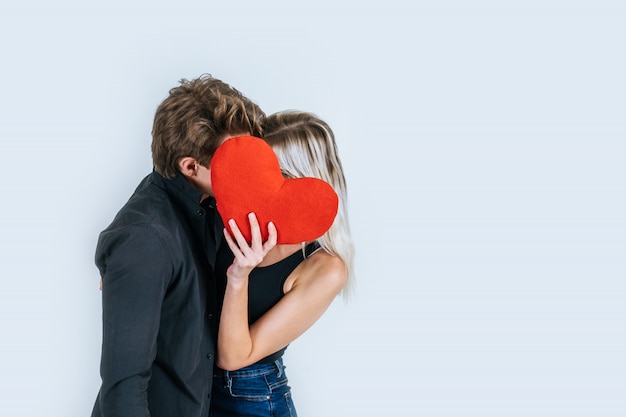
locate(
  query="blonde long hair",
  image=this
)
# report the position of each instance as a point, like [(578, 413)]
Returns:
[(306, 147)]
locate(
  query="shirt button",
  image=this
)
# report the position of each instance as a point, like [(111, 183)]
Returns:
[(200, 213), (210, 316), (210, 356)]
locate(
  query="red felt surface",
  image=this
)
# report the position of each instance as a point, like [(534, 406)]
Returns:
[(246, 177)]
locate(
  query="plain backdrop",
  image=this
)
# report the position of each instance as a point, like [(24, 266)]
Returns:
[(484, 144)]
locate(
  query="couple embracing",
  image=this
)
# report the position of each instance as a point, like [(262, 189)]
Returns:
[(201, 295)]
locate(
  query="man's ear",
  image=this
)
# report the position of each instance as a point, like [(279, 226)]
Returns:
[(188, 166)]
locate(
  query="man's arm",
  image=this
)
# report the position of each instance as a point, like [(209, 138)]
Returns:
[(136, 270)]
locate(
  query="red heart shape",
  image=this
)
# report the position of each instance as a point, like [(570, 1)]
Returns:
[(246, 178)]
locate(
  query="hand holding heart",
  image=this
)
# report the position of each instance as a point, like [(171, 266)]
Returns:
[(247, 256)]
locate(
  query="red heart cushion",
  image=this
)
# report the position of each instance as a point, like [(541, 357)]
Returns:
[(246, 177)]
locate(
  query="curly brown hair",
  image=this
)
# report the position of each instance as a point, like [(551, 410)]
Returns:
[(193, 119)]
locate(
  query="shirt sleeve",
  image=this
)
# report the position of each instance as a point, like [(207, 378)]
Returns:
[(136, 269)]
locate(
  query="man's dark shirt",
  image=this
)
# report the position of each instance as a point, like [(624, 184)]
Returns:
[(159, 307)]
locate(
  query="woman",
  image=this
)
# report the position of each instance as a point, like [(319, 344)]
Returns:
[(274, 293)]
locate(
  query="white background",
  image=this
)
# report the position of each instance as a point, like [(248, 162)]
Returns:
[(484, 143)]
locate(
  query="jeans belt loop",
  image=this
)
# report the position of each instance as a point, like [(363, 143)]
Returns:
[(228, 381), (279, 368)]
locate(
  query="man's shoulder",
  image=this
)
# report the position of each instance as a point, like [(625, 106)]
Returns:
[(151, 209), (160, 210), (146, 205), (148, 219)]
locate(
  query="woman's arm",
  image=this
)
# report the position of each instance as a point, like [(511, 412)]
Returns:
[(318, 281), (234, 334)]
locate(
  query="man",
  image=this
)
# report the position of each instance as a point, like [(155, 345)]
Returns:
[(156, 260)]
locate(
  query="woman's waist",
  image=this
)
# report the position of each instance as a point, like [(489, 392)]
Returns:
[(256, 369)]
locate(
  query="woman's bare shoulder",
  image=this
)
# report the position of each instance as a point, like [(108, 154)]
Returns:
[(323, 268)]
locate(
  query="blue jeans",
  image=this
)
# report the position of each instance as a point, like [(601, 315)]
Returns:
[(259, 390)]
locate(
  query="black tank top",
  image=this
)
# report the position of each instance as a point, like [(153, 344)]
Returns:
[(265, 285)]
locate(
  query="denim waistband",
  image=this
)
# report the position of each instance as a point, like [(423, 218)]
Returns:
[(256, 369)]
